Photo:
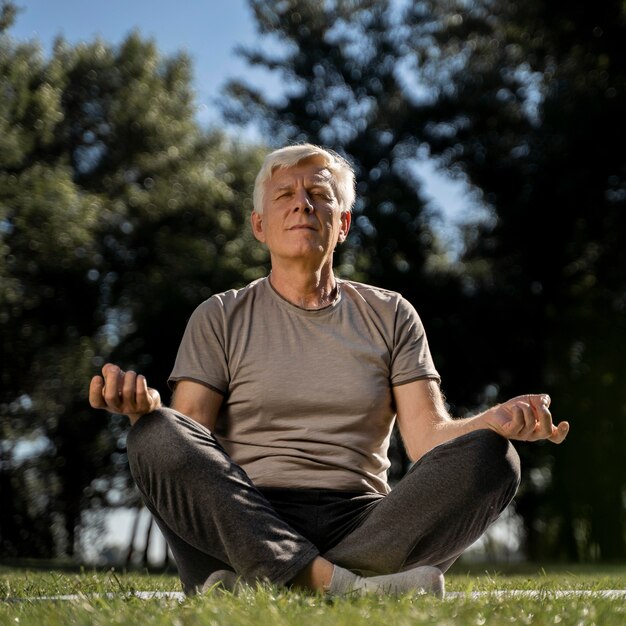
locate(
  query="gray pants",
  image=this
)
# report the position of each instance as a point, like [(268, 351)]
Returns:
[(213, 517)]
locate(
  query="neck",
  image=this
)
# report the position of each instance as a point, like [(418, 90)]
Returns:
[(306, 289)]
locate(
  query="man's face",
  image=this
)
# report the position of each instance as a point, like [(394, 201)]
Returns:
[(301, 217)]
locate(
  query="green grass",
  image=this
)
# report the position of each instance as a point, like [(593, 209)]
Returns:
[(274, 607)]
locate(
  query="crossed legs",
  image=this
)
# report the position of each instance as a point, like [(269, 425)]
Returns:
[(214, 518)]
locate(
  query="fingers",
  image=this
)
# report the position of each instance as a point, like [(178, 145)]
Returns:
[(122, 392), (520, 419), (113, 387), (129, 388), (544, 426), (559, 432), (141, 391), (531, 419), (95, 393)]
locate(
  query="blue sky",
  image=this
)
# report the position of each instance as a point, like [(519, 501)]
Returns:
[(207, 30)]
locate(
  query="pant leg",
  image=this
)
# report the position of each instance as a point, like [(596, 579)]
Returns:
[(443, 505), (210, 513)]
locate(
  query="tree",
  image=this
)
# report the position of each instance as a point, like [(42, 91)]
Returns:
[(45, 328), (524, 102), (538, 106), (118, 215)]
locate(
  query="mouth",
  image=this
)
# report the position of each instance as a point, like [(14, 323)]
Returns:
[(302, 227)]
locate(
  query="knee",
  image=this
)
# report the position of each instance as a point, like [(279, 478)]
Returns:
[(156, 436), (493, 461), (168, 443), (150, 430)]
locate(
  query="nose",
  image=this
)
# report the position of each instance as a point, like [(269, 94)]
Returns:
[(303, 201)]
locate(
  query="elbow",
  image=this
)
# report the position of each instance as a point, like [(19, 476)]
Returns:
[(414, 449), (430, 436), (415, 453)]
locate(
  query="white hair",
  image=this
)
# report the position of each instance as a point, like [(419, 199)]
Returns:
[(290, 156)]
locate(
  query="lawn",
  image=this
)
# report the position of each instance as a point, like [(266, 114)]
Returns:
[(274, 607)]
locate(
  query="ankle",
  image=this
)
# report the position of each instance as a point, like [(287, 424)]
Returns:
[(316, 576)]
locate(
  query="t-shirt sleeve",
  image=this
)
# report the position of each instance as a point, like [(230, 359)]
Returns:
[(202, 352), (410, 358)]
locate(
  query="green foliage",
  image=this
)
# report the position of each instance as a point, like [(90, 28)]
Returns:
[(525, 101), (118, 215), (541, 95)]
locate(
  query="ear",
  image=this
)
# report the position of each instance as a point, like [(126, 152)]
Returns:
[(346, 220), (256, 220)]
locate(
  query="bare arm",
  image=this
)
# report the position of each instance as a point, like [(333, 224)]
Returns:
[(425, 423), (197, 401)]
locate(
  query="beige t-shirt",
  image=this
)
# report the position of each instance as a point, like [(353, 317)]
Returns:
[(307, 394)]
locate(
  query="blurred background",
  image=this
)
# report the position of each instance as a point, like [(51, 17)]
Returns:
[(488, 140)]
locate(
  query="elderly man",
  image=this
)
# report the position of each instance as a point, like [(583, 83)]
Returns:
[(271, 462)]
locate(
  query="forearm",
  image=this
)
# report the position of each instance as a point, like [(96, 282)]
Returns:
[(444, 429), (524, 418), (424, 421)]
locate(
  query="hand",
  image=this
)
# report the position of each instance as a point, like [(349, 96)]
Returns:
[(526, 418), (123, 392)]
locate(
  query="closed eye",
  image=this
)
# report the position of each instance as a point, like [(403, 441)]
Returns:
[(321, 193)]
